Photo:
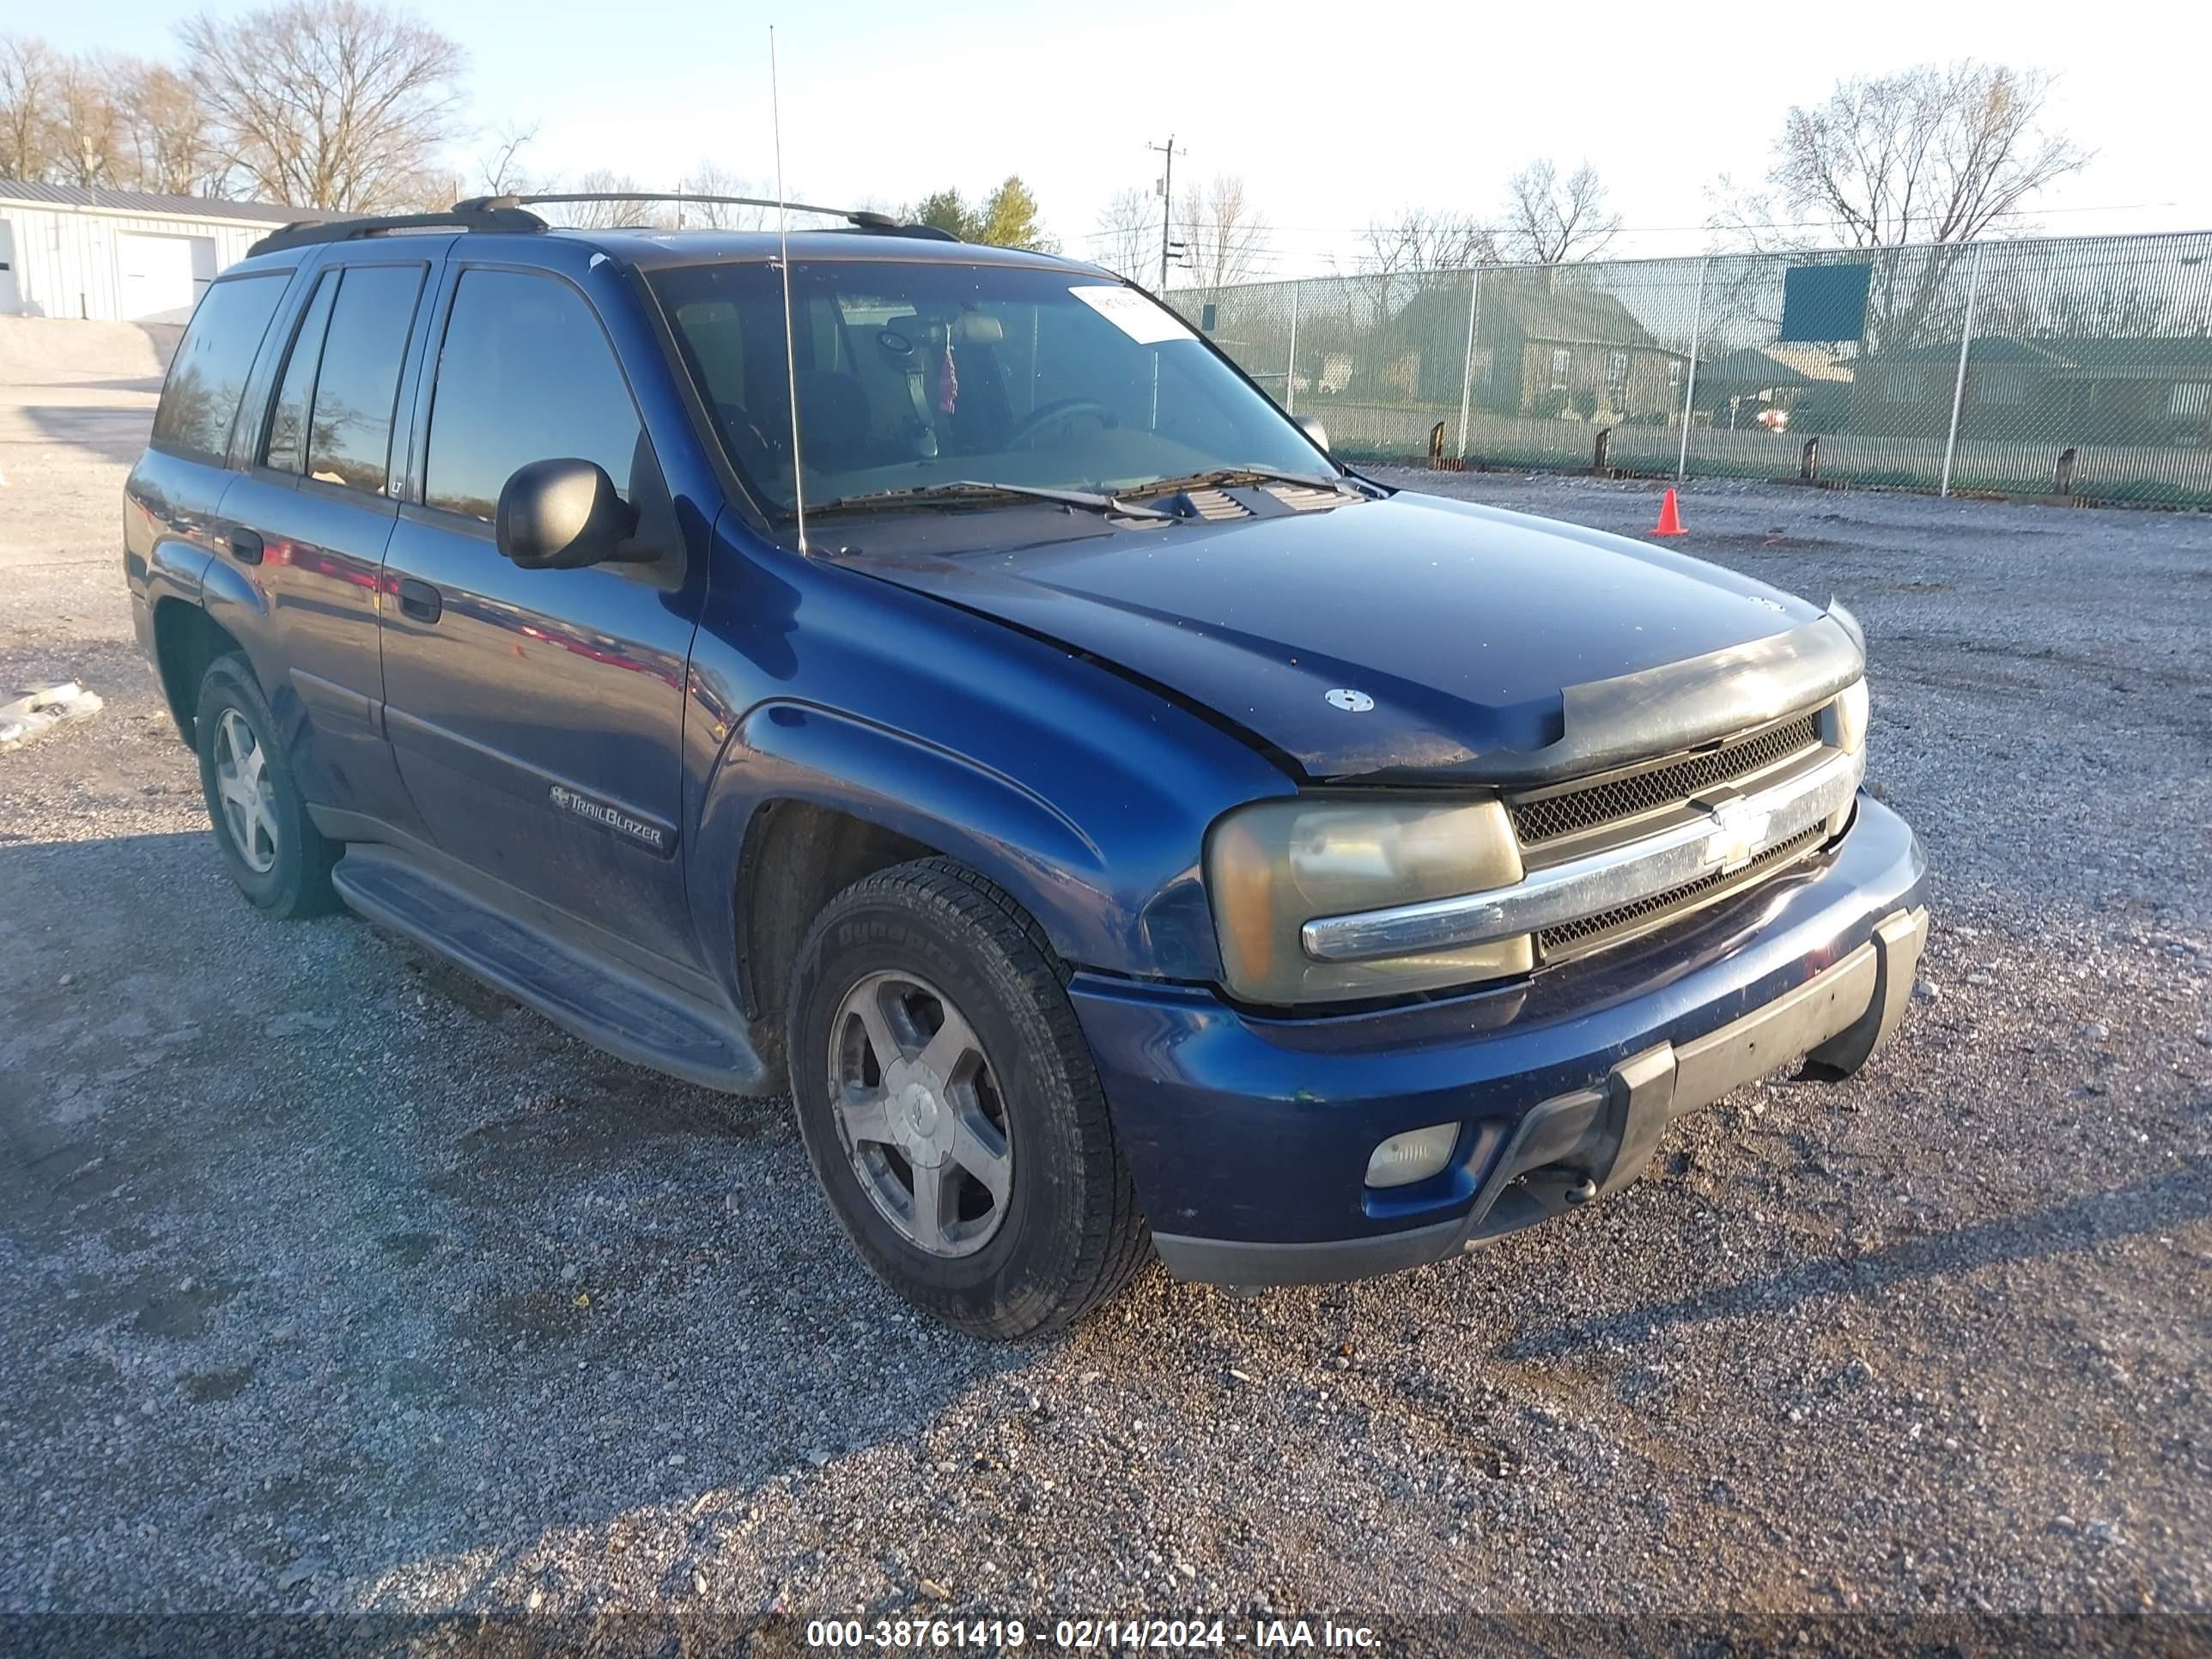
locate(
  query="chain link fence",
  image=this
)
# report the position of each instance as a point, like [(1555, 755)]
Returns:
[(2079, 368)]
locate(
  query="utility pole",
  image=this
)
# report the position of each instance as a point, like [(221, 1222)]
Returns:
[(1167, 206)]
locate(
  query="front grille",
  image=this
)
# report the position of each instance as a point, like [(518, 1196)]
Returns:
[(1571, 939), (1548, 817)]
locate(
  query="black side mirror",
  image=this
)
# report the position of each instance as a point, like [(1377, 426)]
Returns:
[(562, 514), (1314, 430)]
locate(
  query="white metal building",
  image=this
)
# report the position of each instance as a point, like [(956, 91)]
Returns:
[(120, 255)]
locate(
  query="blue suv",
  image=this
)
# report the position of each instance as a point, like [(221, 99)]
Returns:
[(930, 680)]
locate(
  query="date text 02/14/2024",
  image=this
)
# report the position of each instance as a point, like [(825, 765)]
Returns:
[(1088, 1635)]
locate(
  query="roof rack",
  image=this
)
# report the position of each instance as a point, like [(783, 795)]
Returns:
[(486, 214), (858, 218)]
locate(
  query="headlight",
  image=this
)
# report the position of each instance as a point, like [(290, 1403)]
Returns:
[(1845, 721), (1843, 726), (1275, 865)]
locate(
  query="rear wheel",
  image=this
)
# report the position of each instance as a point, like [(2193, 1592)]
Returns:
[(272, 848), (950, 1107)]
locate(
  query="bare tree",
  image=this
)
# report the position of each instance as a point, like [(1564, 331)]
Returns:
[(340, 104), (1128, 241), (1934, 154), (499, 167), (28, 69), (711, 178), (622, 209), (84, 123), (1422, 239), (1399, 257), (1554, 221), (1224, 232), (101, 120), (163, 141)]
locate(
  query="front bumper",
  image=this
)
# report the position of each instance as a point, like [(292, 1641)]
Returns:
[(1249, 1138)]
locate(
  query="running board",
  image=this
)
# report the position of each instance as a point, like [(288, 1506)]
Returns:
[(612, 1008)]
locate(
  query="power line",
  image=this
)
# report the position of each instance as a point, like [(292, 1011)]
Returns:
[(1654, 230)]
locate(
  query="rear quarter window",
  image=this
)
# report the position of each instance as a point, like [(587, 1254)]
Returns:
[(207, 378), (287, 449)]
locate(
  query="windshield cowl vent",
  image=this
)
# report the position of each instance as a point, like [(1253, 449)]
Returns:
[(1211, 505), (1306, 498)]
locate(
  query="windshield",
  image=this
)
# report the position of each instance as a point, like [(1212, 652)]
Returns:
[(914, 375)]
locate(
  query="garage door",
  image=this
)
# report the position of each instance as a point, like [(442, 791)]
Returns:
[(157, 275)]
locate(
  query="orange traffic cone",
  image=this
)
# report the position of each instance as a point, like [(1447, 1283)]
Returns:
[(1670, 518)]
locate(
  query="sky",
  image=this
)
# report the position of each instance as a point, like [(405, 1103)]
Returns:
[(1333, 115)]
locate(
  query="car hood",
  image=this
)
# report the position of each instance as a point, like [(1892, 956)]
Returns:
[(1409, 639)]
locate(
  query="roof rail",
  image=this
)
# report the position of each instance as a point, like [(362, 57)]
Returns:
[(858, 218), (464, 215), (922, 232)]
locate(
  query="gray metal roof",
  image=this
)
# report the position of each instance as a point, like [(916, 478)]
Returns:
[(139, 201)]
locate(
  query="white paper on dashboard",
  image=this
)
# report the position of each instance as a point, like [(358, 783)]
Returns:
[(1145, 322)]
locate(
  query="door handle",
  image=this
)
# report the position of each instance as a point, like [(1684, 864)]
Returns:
[(246, 546), (419, 599)]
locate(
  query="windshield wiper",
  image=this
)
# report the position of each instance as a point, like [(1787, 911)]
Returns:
[(971, 489), (1243, 475)]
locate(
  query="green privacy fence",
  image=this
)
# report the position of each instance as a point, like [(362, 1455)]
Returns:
[(2081, 367)]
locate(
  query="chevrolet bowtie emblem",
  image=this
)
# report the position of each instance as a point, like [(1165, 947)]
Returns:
[(1739, 833)]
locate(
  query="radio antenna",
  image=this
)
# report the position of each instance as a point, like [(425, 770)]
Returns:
[(790, 339)]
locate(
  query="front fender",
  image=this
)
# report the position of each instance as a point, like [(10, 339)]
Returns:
[(992, 822), (1085, 797), (1096, 913)]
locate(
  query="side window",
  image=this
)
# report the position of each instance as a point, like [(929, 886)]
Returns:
[(199, 400), (526, 375), (288, 427), (349, 432)]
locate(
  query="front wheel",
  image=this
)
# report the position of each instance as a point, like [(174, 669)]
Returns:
[(949, 1106)]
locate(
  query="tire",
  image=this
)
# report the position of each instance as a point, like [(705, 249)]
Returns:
[(1067, 1233), (275, 855)]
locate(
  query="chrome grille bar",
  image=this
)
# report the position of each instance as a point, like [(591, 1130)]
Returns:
[(1723, 839)]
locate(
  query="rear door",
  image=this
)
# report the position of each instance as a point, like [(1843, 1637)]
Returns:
[(177, 487), (537, 715), (313, 512)]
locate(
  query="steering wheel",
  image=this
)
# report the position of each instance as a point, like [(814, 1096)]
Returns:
[(1047, 415), (740, 425)]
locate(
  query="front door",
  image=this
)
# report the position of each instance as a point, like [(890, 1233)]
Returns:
[(536, 715)]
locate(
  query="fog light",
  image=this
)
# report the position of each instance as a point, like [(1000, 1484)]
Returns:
[(1414, 1156)]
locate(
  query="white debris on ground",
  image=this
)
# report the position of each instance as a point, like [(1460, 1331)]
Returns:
[(35, 710)]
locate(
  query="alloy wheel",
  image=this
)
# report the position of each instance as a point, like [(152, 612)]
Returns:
[(245, 791), (918, 1111)]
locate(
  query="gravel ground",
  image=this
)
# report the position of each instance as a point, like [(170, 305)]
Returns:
[(338, 1283)]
